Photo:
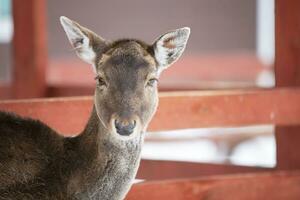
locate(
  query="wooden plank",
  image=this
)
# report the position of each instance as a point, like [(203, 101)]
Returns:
[(177, 110), (66, 115), (275, 186), (161, 170), (227, 108), (29, 48), (287, 71)]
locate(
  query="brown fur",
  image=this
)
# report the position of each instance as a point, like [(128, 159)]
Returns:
[(38, 163)]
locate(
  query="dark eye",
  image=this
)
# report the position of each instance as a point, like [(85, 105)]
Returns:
[(100, 81), (151, 82)]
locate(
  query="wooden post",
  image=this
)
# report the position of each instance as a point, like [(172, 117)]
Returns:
[(287, 70), (29, 48)]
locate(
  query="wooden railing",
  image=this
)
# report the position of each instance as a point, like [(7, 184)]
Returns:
[(177, 110)]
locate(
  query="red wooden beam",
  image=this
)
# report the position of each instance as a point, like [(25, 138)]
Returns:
[(287, 71), (227, 108), (29, 48), (66, 115), (287, 63), (262, 186), (177, 110), (162, 170)]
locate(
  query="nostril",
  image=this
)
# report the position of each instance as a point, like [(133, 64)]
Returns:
[(118, 125), (132, 124), (125, 128)]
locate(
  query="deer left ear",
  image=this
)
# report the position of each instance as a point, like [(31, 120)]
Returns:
[(85, 42), (170, 46)]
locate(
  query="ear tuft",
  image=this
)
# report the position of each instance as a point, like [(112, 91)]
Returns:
[(170, 46), (72, 29), (64, 19)]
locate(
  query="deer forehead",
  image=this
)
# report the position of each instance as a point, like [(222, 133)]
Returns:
[(129, 55)]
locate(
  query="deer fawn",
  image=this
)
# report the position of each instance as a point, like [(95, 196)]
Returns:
[(102, 161)]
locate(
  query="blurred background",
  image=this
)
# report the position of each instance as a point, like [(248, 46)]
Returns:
[(231, 47)]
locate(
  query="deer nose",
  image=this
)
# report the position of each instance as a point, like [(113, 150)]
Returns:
[(125, 127)]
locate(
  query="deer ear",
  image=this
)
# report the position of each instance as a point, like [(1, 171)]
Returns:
[(85, 42), (169, 46)]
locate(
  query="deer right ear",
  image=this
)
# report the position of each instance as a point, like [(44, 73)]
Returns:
[(170, 46), (84, 41)]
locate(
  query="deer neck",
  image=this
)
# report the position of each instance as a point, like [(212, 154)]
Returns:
[(105, 166)]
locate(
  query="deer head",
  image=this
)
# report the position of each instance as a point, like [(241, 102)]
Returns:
[(126, 73)]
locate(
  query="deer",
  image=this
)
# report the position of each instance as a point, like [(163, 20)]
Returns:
[(101, 162)]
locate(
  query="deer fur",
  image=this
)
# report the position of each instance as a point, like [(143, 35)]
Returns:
[(101, 162)]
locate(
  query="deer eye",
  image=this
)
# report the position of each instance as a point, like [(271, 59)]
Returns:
[(100, 81), (151, 82)]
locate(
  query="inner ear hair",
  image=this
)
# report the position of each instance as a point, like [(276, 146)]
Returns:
[(170, 46)]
